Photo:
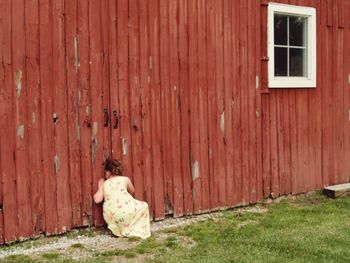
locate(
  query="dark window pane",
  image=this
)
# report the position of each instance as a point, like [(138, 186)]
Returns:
[(280, 61), (297, 27), (297, 62), (280, 29)]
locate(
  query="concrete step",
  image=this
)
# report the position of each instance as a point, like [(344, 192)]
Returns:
[(338, 190)]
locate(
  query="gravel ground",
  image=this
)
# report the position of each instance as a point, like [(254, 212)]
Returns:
[(78, 246)]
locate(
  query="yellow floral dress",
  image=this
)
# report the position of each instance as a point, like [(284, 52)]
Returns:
[(124, 215)]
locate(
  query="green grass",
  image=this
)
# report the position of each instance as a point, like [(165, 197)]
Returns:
[(17, 259), (51, 256), (77, 246), (310, 229)]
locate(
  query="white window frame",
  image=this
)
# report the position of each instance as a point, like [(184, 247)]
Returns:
[(292, 82)]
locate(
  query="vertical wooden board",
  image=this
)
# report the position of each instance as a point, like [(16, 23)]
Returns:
[(116, 148), (123, 85), (266, 145), (301, 101), (293, 132), (275, 183), (2, 231), (228, 101), (85, 124), (97, 113), (19, 89), (259, 152), (47, 128), (105, 80), (237, 102), (2, 237), (337, 119), (293, 141), (281, 142), (327, 130), (72, 67), (2, 109), (245, 99), (315, 104), (175, 109), (340, 93), (184, 106), (145, 78), (311, 153), (212, 106), (166, 91), (302, 118), (203, 105), (135, 98), (220, 173), (156, 110), (7, 147), (341, 11), (83, 72), (310, 177), (195, 156), (34, 116), (287, 142), (61, 163), (252, 111), (346, 84), (265, 105), (329, 13)]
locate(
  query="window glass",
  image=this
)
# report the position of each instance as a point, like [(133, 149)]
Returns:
[(280, 30), (297, 62), (297, 26), (281, 61), (289, 42)]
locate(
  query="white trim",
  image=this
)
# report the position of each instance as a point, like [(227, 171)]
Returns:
[(292, 82)]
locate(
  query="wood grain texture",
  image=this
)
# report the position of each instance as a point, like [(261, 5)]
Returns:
[(178, 90)]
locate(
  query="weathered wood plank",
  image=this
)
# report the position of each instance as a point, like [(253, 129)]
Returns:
[(203, 105), (19, 88), (34, 116), (167, 115), (145, 77), (175, 109), (252, 110), (228, 102), (7, 147), (220, 173), (47, 110), (245, 99), (259, 151), (237, 102), (123, 85), (196, 162), (153, 9), (212, 107), (72, 67), (339, 190), (97, 110), (135, 97), (83, 48), (184, 106)]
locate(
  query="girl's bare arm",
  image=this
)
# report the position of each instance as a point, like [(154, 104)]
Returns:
[(130, 186), (98, 196)]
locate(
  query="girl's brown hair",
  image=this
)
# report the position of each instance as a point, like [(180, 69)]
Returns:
[(113, 166)]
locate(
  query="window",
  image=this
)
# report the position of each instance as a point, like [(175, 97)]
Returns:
[(291, 46)]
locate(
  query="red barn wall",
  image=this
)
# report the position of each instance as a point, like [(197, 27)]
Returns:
[(177, 91)]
